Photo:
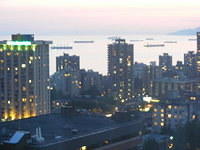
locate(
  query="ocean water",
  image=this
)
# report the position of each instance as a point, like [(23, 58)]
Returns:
[(94, 55)]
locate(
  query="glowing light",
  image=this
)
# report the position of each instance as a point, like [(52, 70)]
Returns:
[(147, 99), (108, 115), (83, 148), (18, 43), (171, 137), (170, 146), (146, 109), (155, 101), (169, 115)]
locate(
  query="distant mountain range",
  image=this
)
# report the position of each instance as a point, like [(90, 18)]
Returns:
[(186, 32)]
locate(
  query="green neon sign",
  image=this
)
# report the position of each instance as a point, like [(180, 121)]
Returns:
[(19, 43)]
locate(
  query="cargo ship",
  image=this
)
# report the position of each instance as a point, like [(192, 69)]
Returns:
[(61, 47), (83, 41), (154, 45)]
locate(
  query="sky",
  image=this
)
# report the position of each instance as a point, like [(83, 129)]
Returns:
[(98, 16)]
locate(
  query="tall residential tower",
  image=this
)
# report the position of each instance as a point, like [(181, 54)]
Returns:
[(198, 55), (120, 69), (24, 77)]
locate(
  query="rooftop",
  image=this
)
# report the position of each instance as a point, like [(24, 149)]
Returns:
[(58, 125)]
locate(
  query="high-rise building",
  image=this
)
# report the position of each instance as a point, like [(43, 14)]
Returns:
[(67, 78), (198, 55), (198, 42), (190, 64), (120, 69), (165, 62), (91, 83), (154, 71), (24, 77), (67, 62)]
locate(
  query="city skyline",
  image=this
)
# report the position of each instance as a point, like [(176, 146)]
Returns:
[(94, 17)]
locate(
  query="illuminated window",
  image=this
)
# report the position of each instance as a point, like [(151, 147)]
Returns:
[(120, 60), (193, 116), (23, 65), (162, 115), (67, 74), (122, 100), (23, 88), (154, 115), (23, 99), (170, 106), (31, 57), (8, 53), (155, 123), (83, 148), (162, 110), (193, 98), (169, 115), (162, 124)]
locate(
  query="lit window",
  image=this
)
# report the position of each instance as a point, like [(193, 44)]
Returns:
[(170, 106), (31, 57), (193, 116), (83, 148), (67, 75), (193, 98), (154, 115), (162, 124), (23, 65), (23, 99), (120, 60), (169, 115), (23, 88), (8, 54)]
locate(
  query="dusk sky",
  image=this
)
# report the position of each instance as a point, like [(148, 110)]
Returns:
[(98, 16)]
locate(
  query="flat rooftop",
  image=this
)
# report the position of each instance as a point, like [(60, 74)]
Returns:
[(58, 125)]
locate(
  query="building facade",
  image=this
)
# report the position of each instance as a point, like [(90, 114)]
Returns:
[(24, 77), (189, 64), (198, 55), (120, 69), (66, 80), (165, 62), (175, 112), (162, 87), (91, 83), (67, 62)]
